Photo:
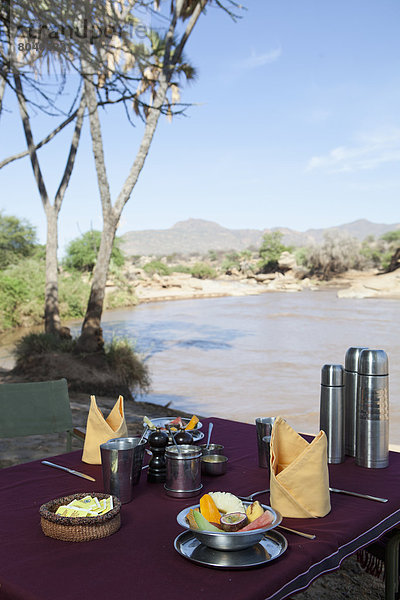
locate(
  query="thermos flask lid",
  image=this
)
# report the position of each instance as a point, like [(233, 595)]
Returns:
[(332, 375), (351, 358), (373, 362)]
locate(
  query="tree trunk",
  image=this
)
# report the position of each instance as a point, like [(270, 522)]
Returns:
[(51, 308), (91, 338)]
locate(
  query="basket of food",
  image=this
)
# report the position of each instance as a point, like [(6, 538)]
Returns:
[(81, 517)]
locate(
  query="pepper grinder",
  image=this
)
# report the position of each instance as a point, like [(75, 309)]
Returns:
[(158, 441), (183, 437), (331, 419)]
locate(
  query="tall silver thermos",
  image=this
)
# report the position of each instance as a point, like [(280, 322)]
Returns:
[(331, 419), (373, 410), (351, 398)]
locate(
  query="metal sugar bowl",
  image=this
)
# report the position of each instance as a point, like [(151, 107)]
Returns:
[(183, 464)]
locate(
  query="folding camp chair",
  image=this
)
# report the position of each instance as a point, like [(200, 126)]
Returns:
[(36, 408)]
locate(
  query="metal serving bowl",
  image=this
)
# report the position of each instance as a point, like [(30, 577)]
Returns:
[(212, 449), (223, 540), (213, 464)]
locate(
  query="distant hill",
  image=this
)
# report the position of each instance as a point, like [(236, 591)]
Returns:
[(199, 236)]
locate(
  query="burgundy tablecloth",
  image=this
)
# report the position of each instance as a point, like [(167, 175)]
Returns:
[(139, 561)]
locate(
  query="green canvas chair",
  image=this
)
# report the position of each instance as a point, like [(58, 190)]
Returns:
[(36, 408)]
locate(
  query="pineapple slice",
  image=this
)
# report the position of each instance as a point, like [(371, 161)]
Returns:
[(227, 502)]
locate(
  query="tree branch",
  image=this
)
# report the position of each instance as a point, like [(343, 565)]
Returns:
[(29, 141), (72, 155), (97, 144), (154, 112)]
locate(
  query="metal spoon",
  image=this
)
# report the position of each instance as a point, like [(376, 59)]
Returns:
[(174, 440), (144, 434), (250, 497), (210, 428)]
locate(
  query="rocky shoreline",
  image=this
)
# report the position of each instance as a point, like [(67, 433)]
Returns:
[(290, 278)]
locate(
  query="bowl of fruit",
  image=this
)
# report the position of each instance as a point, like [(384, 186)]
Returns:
[(223, 522)]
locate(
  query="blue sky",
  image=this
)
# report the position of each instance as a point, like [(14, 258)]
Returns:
[(295, 122)]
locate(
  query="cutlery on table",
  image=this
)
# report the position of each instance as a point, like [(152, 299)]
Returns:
[(210, 428), (72, 471), (250, 497), (309, 536), (367, 496)]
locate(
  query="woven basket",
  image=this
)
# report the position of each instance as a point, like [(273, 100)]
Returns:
[(79, 529)]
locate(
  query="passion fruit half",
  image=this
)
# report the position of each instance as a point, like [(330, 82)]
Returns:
[(233, 521)]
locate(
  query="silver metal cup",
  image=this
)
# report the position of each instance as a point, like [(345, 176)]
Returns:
[(138, 456), (183, 478), (117, 465), (263, 428), (373, 410)]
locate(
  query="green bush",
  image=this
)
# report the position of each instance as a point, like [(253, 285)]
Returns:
[(73, 295), (22, 294), (392, 237), (81, 253), (231, 261), (202, 270), (17, 240), (127, 365), (40, 343), (120, 298), (180, 269), (156, 266), (270, 251)]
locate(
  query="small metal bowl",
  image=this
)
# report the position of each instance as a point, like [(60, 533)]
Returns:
[(213, 464), (224, 540), (212, 449)]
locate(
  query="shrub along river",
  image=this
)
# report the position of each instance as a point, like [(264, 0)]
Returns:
[(250, 356)]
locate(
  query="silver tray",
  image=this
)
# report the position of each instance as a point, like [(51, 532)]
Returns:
[(272, 545), (162, 421)]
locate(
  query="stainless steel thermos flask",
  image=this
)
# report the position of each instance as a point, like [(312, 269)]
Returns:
[(332, 411), (373, 410), (351, 399)]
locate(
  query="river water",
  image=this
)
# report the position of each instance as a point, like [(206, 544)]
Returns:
[(244, 357)]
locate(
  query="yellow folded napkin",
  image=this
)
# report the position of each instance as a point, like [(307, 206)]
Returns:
[(299, 478), (99, 430)]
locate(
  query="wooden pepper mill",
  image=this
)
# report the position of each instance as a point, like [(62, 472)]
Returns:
[(158, 441)]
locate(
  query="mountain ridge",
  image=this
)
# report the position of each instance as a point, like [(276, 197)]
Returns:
[(200, 235)]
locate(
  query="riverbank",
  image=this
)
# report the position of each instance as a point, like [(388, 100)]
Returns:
[(351, 284)]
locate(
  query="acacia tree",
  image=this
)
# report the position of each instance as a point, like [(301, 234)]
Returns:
[(19, 69), (159, 73), (144, 76), (24, 58)]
